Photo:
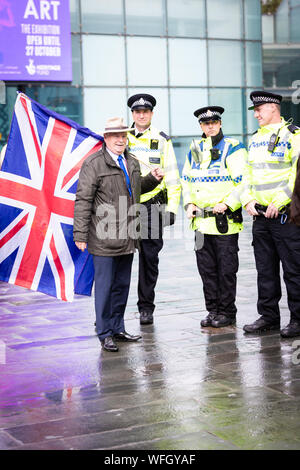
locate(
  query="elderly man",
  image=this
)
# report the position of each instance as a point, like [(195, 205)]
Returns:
[(109, 185), (269, 182)]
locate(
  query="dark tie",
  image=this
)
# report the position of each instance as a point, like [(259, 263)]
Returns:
[(122, 166)]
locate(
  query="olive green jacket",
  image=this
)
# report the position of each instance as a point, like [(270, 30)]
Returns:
[(101, 217)]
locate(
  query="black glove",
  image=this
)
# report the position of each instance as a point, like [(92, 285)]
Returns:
[(169, 218)]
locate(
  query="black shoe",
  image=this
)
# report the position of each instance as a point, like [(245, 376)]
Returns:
[(146, 318), (124, 336), (261, 325), (291, 330), (208, 320), (109, 345), (222, 320)]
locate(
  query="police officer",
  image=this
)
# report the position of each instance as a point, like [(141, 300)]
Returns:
[(211, 181), (152, 147), (269, 182)]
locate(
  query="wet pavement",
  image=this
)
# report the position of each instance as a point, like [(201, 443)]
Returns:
[(180, 387)]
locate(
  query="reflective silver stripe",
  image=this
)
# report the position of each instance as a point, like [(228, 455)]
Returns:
[(171, 167), (271, 166), (288, 192), (267, 186), (224, 155), (172, 181)]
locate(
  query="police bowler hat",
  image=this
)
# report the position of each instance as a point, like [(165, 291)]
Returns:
[(141, 101), (209, 113), (260, 97)]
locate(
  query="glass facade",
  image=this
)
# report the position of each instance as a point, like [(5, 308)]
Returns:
[(281, 54), (187, 53)]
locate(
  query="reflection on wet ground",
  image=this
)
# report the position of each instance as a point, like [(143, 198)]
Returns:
[(181, 387)]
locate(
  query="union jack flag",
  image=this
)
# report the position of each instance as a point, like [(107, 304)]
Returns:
[(38, 181)]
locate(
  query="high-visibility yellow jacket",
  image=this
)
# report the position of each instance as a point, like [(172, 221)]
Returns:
[(155, 148), (207, 182), (270, 175)]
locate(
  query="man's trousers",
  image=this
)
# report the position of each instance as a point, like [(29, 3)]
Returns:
[(274, 242), (150, 246), (112, 282), (218, 264)]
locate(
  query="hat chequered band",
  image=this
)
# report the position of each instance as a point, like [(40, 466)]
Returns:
[(209, 114), (265, 98), (141, 102)]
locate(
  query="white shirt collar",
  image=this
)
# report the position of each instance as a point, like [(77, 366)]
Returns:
[(139, 132), (114, 156)]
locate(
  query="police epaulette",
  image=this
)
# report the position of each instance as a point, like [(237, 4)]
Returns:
[(292, 128), (167, 137)]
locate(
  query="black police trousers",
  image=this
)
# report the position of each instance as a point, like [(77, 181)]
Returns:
[(218, 264), (273, 243), (150, 246)]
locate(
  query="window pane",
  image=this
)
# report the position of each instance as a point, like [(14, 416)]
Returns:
[(150, 68), (161, 110), (181, 147), (184, 102), (295, 21), (282, 23), (76, 60), (231, 100), (144, 17), (74, 13), (268, 28), (224, 21), (252, 123), (102, 17), (254, 64), (63, 100), (252, 19), (106, 67), (225, 63), (188, 64), (6, 113), (101, 104), (186, 18)]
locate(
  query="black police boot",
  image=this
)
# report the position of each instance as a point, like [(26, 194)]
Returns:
[(222, 320), (207, 321), (146, 318), (291, 330), (261, 325)]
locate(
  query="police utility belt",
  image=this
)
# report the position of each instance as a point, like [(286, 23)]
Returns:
[(160, 198), (283, 213), (221, 219)]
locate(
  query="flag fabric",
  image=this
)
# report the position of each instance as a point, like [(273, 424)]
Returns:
[(38, 182)]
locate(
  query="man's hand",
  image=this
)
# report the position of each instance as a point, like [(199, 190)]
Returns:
[(81, 245), (271, 212), (190, 212), (158, 173), (250, 208), (220, 208)]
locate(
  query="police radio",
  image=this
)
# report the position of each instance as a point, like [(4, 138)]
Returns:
[(215, 154), (273, 142)]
